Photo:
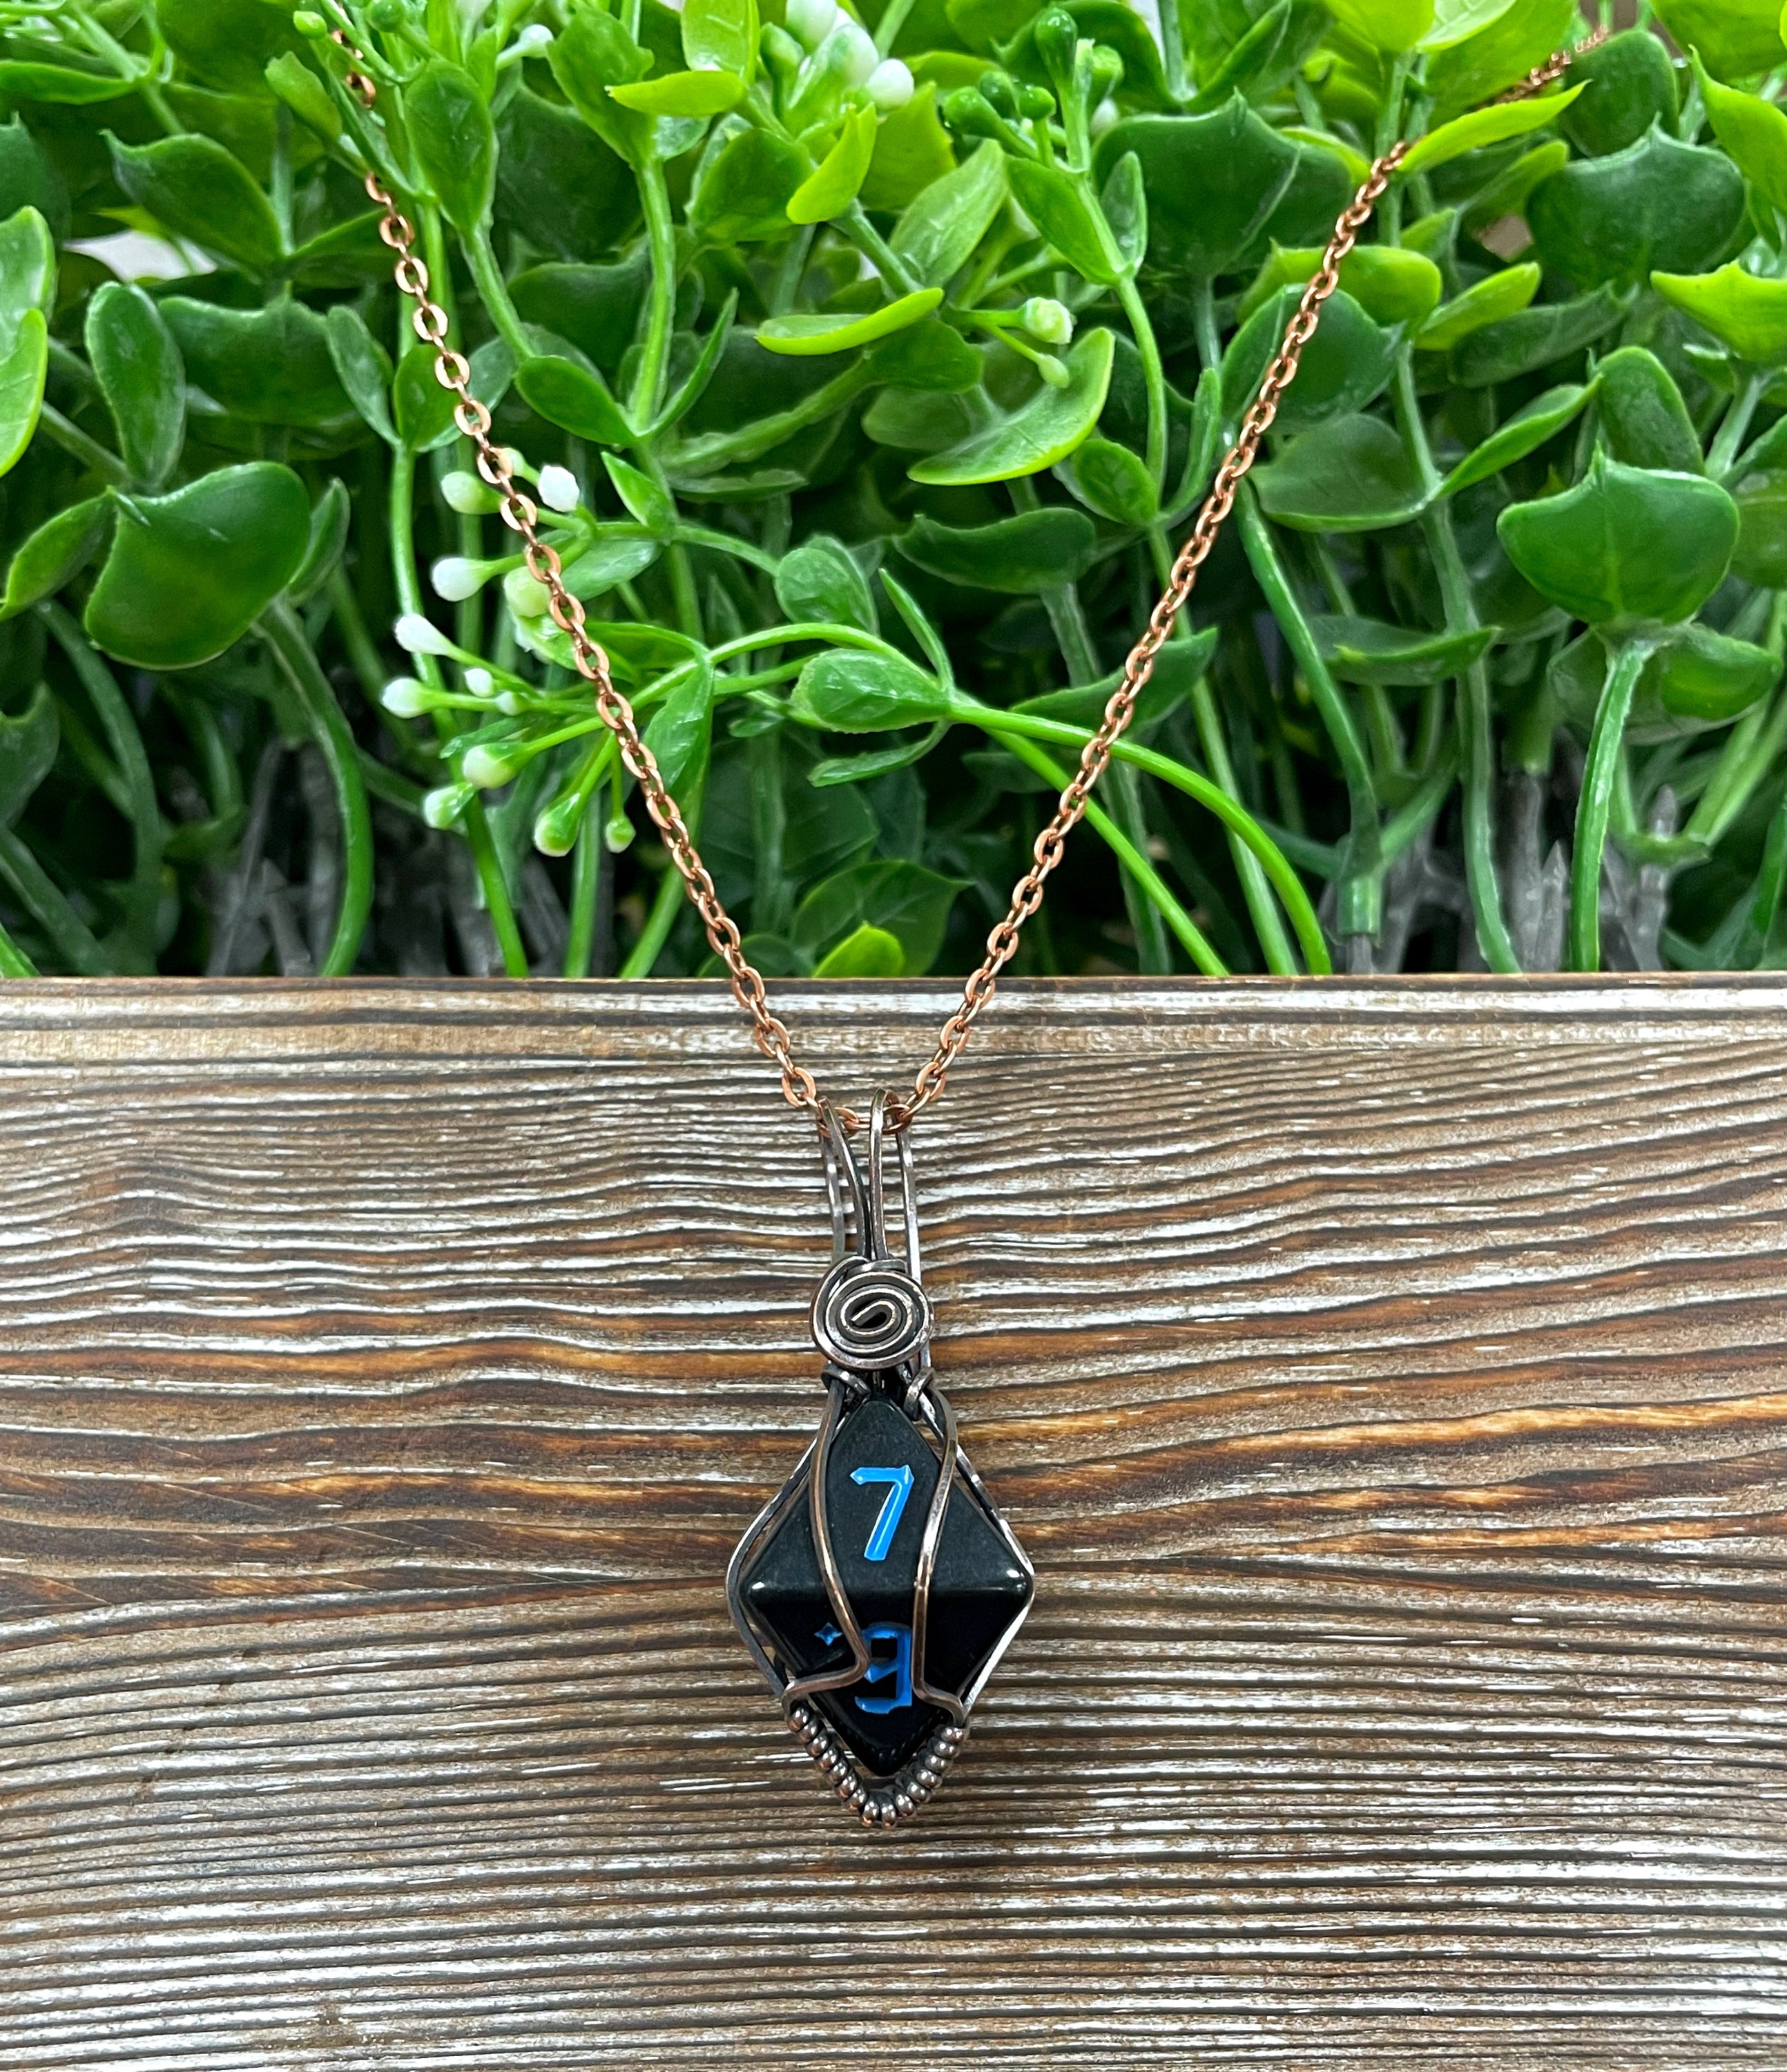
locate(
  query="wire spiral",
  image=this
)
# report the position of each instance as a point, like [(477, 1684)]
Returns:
[(869, 1314)]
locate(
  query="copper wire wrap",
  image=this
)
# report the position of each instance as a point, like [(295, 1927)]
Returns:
[(521, 514)]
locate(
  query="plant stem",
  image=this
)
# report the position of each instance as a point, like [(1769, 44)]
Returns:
[(1737, 423), (1288, 885), (1605, 748), (1476, 712), (646, 950), (408, 584), (45, 901), (1153, 374), (89, 452), (494, 293), (335, 740), (896, 277), (586, 869), (141, 806), (1134, 864), (648, 384)]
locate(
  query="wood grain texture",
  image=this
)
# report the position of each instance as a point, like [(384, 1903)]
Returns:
[(1387, 1382)]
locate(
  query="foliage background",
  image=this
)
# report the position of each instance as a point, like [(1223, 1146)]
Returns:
[(869, 374)]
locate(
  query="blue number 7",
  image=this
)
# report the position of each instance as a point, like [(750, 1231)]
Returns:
[(899, 1488)]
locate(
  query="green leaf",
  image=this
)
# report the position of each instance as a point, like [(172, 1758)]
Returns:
[(575, 398), (1177, 668), (1485, 126), (912, 149), (328, 541), (1736, 39), (1454, 20), (227, 43), (869, 952), (721, 35), (420, 408), (939, 231), (1346, 364), (1034, 552), (189, 573), (142, 378), (1628, 83), (615, 558), (1753, 130), (1489, 301), (1747, 315), (270, 366), (27, 268), (833, 187), (1524, 433), (362, 368), (1212, 181), (1367, 651), (908, 903), (1057, 203), (28, 744), (1761, 556), (1353, 476), (1643, 418), (927, 355), (1385, 25), (821, 581), (1697, 679), (1535, 338), (849, 692), (681, 730), (1111, 480), (594, 308), (1498, 55), (1626, 544), (699, 94), (557, 182), (1041, 432), (305, 94), (455, 145), (21, 375), (58, 550), (1658, 205), (804, 336), (193, 187), (1389, 283), (654, 507), (742, 192), (59, 85), (591, 53)]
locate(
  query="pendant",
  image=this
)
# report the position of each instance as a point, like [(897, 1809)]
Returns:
[(878, 1591)]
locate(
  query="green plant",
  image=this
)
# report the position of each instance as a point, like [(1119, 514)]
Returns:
[(869, 374)]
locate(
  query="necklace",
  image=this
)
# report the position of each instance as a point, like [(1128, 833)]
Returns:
[(878, 1591)]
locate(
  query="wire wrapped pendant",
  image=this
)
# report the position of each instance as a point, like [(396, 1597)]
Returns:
[(878, 1591)]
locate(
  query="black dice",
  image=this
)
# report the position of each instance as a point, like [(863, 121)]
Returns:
[(880, 1480)]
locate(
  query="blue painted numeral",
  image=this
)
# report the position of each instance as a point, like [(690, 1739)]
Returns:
[(899, 1667), (899, 1488)]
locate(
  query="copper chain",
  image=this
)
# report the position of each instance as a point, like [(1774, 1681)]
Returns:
[(521, 514)]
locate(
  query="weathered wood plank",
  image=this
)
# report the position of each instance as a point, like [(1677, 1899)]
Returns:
[(1388, 1384)]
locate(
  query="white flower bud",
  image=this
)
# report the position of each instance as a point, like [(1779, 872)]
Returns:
[(420, 636), (860, 59), (509, 702), (407, 698), (454, 578), (534, 37), (811, 20), (442, 809), (558, 488), (1050, 322), (480, 682), (619, 834), (486, 767), (890, 85), (527, 598), (1103, 118), (467, 493)]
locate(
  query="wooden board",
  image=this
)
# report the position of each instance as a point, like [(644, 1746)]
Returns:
[(1388, 1384)]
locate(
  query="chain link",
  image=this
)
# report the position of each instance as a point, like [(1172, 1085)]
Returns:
[(430, 323)]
